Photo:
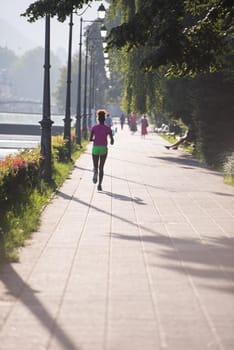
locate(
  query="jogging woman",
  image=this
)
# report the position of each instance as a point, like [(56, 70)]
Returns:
[(99, 135)]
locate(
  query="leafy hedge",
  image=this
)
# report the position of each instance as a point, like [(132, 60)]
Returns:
[(23, 193), (229, 169), (22, 196), (18, 174)]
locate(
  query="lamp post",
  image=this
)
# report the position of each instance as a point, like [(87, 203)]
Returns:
[(67, 120), (84, 125), (101, 15), (46, 122), (91, 87), (78, 106)]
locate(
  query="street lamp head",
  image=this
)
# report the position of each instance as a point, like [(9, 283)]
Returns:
[(101, 11), (107, 61), (104, 44), (103, 31)]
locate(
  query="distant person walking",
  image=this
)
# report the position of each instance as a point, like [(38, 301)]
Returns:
[(133, 123), (144, 125), (122, 121), (108, 121), (99, 136)]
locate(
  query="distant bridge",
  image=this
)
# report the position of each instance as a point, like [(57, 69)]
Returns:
[(20, 101), (20, 106)]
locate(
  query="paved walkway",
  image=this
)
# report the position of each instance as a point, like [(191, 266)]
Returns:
[(146, 264)]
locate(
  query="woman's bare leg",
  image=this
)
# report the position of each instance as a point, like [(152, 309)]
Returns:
[(95, 167), (101, 168)]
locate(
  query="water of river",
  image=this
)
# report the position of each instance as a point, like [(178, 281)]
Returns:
[(11, 144), (32, 119)]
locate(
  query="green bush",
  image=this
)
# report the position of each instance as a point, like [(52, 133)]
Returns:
[(23, 194), (229, 167)]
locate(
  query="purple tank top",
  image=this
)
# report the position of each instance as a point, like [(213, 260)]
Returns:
[(100, 132)]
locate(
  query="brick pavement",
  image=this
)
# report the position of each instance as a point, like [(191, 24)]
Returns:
[(146, 264)]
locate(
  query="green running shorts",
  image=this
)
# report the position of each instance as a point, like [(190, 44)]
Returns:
[(99, 150)]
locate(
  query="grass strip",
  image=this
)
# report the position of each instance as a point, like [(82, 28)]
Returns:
[(19, 220)]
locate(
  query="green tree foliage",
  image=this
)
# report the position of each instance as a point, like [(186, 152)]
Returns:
[(59, 8), (213, 111), (96, 50), (194, 41), (113, 94), (177, 98), (60, 93), (205, 104), (26, 72), (139, 87), (100, 81), (175, 58), (190, 36)]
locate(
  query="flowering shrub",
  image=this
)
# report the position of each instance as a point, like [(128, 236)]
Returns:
[(23, 193), (19, 179), (60, 148), (18, 173), (13, 163)]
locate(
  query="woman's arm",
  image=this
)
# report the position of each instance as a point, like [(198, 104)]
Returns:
[(91, 136)]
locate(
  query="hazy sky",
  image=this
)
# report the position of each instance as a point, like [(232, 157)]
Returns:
[(34, 33)]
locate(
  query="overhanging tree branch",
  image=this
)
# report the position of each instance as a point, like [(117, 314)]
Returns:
[(191, 36), (59, 8)]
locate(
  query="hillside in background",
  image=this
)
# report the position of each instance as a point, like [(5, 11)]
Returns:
[(13, 39)]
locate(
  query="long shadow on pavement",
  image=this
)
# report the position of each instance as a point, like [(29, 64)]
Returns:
[(119, 178), (124, 198), (17, 288), (100, 210), (149, 185), (192, 251), (196, 253), (188, 162)]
